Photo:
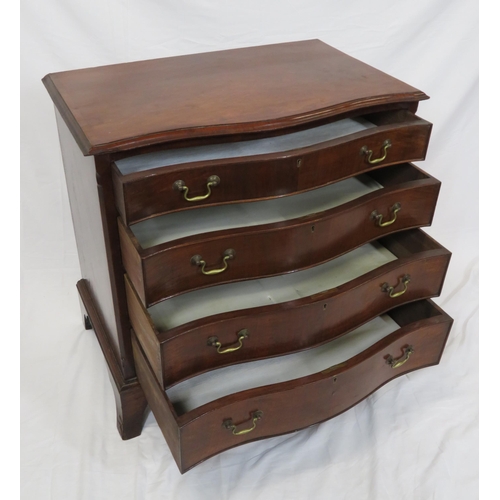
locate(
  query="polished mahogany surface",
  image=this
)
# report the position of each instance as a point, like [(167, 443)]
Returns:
[(148, 125), (200, 433), (125, 106), (150, 191), (165, 269), (277, 328)]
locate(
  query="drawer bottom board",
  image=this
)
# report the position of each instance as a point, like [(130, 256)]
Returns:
[(197, 434)]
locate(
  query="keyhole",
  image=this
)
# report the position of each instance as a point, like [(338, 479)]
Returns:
[(312, 229)]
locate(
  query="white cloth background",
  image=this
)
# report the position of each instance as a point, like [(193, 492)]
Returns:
[(416, 438)]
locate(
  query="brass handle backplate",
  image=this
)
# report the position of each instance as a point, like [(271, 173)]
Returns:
[(212, 181), (390, 289), (214, 342), (396, 363), (255, 415), (197, 260), (378, 217), (368, 152)]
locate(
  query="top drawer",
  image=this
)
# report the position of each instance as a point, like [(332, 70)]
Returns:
[(178, 179)]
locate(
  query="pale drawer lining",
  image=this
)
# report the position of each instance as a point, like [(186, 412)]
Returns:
[(262, 292), (219, 383), (171, 227), (282, 143)]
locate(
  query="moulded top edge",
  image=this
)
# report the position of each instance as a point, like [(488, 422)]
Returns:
[(257, 89)]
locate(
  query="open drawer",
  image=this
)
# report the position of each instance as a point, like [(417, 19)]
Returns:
[(232, 406), (202, 330), (178, 179), (164, 256)]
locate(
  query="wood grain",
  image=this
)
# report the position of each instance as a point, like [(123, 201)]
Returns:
[(125, 110), (161, 406), (165, 270), (96, 247), (298, 403), (217, 93), (146, 194), (299, 324)]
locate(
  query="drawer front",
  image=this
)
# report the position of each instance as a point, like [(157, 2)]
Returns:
[(256, 333), (291, 327), (398, 137), (285, 407), (260, 251)]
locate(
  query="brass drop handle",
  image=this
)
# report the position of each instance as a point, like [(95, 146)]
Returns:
[(255, 415), (198, 261), (214, 342), (396, 363), (378, 217), (212, 181), (390, 289), (368, 152)]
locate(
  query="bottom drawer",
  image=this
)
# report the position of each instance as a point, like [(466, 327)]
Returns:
[(208, 414)]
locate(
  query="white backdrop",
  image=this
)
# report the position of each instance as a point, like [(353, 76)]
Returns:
[(416, 438)]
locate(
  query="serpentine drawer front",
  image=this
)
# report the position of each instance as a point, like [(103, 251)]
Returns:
[(252, 320), (254, 240), (238, 210), (195, 434), (180, 179)]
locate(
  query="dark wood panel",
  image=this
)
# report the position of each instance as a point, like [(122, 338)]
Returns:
[(142, 195), (152, 193), (90, 234), (409, 137), (304, 402), (94, 217), (160, 405), (297, 325), (131, 257), (145, 330), (289, 406), (231, 91), (166, 270)]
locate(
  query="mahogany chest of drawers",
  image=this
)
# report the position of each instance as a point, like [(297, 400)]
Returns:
[(248, 228)]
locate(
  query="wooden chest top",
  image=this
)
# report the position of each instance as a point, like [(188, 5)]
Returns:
[(124, 106)]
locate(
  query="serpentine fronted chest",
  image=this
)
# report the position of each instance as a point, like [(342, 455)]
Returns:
[(248, 228)]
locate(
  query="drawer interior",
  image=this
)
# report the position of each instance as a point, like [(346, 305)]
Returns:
[(197, 304), (202, 389), (277, 144), (162, 229), (170, 227), (293, 391), (190, 306)]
